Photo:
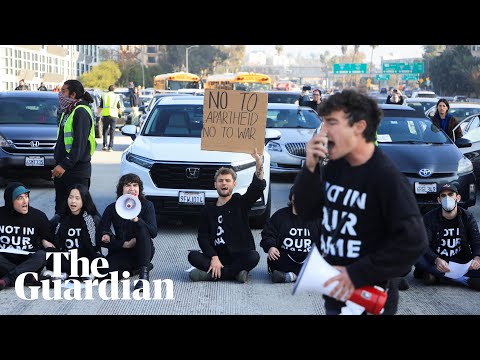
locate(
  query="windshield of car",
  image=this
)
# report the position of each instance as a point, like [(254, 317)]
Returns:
[(411, 131), (420, 106), (175, 121), (292, 118), (285, 98), (28, 110), (462, 113)]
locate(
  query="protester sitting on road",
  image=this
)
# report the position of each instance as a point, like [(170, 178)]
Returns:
[(453, 237), (75, 228), (225, 238), (25, 232), (130, 245), (287, 239)]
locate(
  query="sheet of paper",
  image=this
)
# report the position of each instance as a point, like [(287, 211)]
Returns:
[(11, 250), (457, 270)]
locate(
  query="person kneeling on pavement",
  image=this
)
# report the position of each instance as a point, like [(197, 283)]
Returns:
[(453, 237), (287, 239), (224, 235), (25, 232)]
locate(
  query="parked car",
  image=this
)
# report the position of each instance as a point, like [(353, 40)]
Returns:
[(96, 95), (425, 155), (424, 93), (460, 110), (146, 109), (166, 155), (297, 124), (28, 133), (283, 97), (471, 131), (421, 104)]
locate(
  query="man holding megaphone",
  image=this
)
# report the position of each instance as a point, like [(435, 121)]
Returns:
[(130, 246), (372, 230)]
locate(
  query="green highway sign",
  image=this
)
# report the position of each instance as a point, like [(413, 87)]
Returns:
[(350, 68), (413, 77), (382, 77), (402, 68)]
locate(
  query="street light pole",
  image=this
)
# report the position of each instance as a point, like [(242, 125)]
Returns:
[(186, 55)]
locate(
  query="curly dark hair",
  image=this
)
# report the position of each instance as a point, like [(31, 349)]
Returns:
[(357, 107), (127, 179)]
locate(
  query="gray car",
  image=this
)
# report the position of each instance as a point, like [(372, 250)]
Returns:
[(28, 133)]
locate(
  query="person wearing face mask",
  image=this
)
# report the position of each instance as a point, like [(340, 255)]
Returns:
[(453, 237), (75, 141)]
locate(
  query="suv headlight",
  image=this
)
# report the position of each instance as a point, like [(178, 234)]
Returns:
[(139, 160), (274, 146), (4, 142), (464, 166)]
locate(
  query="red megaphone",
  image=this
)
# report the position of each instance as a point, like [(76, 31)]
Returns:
[(372, 298)]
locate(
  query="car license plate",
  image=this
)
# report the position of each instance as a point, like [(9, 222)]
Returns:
[(191, 198), (34, 161), (424, 188)]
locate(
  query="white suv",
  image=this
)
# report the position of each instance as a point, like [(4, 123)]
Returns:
[(177, 176)]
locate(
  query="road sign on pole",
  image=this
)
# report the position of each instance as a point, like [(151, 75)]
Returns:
[(350, 68), (413, 77), (403, 68), (382, 77)]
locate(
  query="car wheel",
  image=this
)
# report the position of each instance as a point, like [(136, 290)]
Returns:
[(259, 221)]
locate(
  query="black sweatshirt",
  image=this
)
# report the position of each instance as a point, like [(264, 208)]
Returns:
[(384, 234), (225, 229), (126, 229), (442, 235), (76, 232), (23, 232), (291, 234), (78, 161)]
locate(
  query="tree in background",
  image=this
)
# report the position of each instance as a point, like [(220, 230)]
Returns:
[(453, 71), (102, 75)]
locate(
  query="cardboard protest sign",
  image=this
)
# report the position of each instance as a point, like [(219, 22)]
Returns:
[(234, 121)]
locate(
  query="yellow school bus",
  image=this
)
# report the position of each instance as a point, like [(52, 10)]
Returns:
[(176, 81), (239, 81)]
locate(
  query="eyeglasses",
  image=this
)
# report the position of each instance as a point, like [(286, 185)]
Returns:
[(450, 194)]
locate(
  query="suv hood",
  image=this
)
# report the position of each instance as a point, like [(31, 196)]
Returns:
[(181, 149), (410, 158), (25, 131), (295, 135)]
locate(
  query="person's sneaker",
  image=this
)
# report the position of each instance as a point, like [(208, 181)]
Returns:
[(403, 284), (278, 276), (200, 275), (429, 279), (31, 281), (417, 273), (104, 148), (474, 283), (242, 276), (110, 149)]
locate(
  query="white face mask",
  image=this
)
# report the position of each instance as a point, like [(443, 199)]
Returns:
[(449, 203)]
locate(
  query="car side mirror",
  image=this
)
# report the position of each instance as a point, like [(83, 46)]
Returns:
[(463, 143), (130, 130), (272, 134)]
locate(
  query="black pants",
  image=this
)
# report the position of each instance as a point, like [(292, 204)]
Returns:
[(284, 263), (109, 124), (12, 265), (232, 264), (62, 184), (334, 307), (131, 259)]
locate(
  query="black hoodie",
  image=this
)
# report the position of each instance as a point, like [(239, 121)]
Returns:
[(22, 231)]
